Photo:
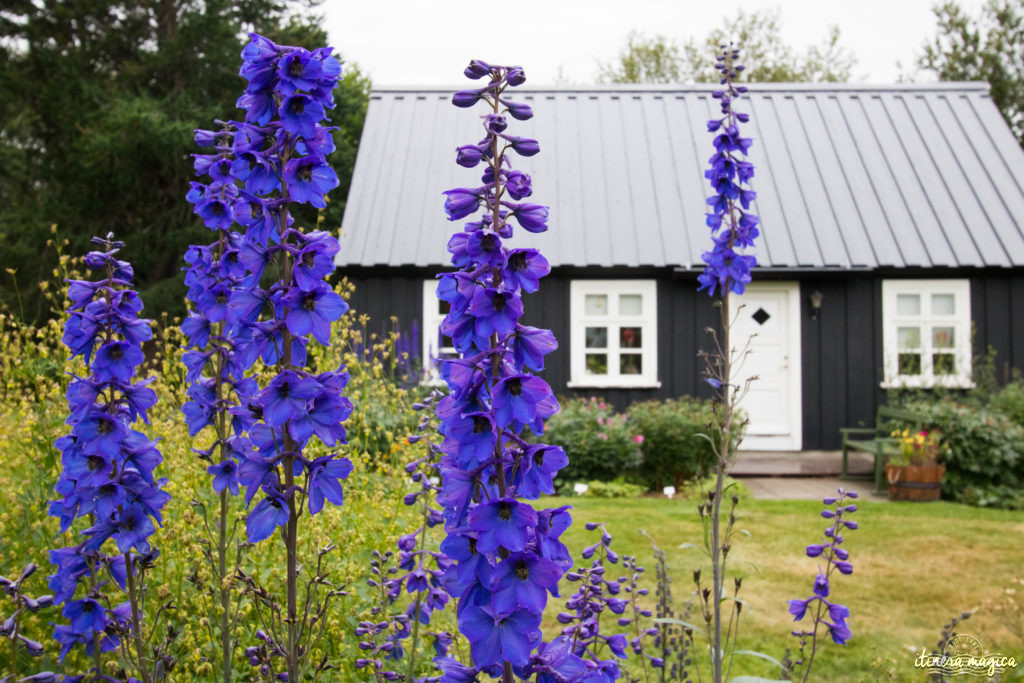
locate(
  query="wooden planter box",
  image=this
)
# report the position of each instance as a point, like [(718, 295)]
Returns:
[(915, 482)]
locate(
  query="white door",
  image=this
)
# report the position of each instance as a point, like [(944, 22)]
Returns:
[(770, 319)]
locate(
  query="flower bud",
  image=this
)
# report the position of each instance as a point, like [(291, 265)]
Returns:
[(516, 76), (477, 69)]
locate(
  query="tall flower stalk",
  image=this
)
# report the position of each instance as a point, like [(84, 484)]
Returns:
[(281, 160), (824, 612), (507, 554), (726, 270), (107, 473), (218, 382)]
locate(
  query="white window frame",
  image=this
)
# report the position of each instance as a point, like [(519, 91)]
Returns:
[(431, 332), (960, 321), (647, 321)]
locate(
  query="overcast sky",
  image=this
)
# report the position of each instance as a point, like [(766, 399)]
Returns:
[(429, 42)]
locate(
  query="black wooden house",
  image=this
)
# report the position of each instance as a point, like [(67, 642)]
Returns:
[(892, 246)]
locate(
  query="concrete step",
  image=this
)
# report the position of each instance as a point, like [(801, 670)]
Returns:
[(800, 464)]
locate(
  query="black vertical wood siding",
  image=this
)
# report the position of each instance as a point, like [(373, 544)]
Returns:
[(841, 351), (841, 355)]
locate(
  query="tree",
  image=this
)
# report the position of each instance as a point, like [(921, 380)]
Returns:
[(987, 48), (98, 100), (765, 54), (644, 60)]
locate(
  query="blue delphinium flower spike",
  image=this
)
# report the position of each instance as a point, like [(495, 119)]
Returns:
[(506, 555), (107, 465), (732, 225)]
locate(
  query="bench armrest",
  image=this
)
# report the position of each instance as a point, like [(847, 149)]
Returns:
[(856, 430)]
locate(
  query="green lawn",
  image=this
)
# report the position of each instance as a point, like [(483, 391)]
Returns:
[(916, 566)]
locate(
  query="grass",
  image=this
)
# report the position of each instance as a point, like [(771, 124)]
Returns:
[(916, 566)]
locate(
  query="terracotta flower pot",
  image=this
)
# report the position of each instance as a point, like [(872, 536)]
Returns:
[(915, 482)]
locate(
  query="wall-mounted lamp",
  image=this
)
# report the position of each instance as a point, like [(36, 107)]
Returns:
[(816, 298)]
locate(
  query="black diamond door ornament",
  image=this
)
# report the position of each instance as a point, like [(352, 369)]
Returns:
[(761, 316)]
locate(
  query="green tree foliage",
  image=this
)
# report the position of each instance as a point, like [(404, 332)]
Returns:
[(98, 101), (767, 57), (644, 60), (989, 48)]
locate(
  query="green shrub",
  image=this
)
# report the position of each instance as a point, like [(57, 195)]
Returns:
[(620, 488), (1010, 401), (599, 443), (981, 449), (675, 444)]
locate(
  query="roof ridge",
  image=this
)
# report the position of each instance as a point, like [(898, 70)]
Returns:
[(940, 86)]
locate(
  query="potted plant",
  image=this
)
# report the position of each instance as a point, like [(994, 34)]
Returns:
[(913, 471)]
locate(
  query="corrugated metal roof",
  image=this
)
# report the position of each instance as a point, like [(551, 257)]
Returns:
[(848, 176)]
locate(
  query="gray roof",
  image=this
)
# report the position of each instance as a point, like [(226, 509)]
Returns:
[(847, 176)]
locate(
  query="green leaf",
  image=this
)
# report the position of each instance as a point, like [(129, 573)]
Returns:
[(756, 679), (762, 655)]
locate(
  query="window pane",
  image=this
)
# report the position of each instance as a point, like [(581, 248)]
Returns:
[(597, 364), (910, 364), (631, 304), (631, 364), (597, 338), (942, 337), (943, 304), (630, 338), (909, 337), (908, 304), (595, 304), (943, 364), (443, 307)]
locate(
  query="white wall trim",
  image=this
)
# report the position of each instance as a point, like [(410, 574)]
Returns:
[(647, 321), (960, 321)]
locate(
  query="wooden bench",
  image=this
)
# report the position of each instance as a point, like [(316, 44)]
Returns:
[(878, 440)]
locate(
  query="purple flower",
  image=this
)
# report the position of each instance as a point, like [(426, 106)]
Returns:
[(299, 71), (505, 556), (116, 361), (313, 311), (523, 398), (300, 115), (308, 179), (538, 468), (470, 438), (86, 616), (496, 637), (821, 585), (530, 345), (269, 513), (286, 396), (468, 155), (522, 580), (460, 202), (495, 311), (324, 476), (225, 476), (524, 269), (518, 185), (839, 631), (324, 419), (502, 523)]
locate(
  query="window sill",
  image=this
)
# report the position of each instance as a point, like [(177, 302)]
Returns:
[(611, 384), (928, 384)]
